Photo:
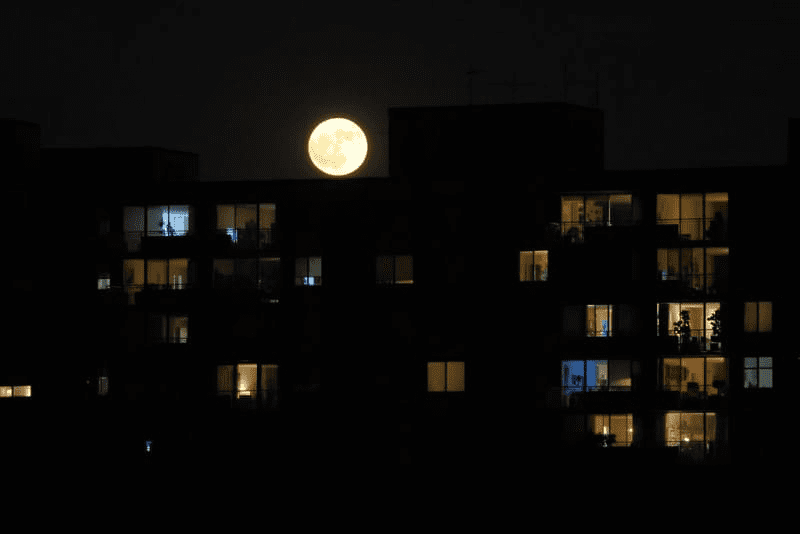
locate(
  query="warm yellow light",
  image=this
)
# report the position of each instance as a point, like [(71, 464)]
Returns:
[(337, 146)]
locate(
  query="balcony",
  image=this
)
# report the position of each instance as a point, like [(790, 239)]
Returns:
[(692, 229), (691, 285), (243, 239)]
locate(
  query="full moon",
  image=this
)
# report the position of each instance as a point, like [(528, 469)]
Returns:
[(337, 146)]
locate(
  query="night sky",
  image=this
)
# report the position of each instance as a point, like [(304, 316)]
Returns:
[(243, 83)]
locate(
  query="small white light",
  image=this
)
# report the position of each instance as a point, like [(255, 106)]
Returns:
[(147, 445)]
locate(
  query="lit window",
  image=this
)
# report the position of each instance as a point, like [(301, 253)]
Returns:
[(758, 372), (133, 227), (248, 225), (445, 376), (168, 220), (616, 430), (695, 377), (599, 320), (578, 376), (394, 270), (15, 391), (697, 216), (533, 266), (691, 322), (308, 271), (102, 386), (103, 281), (693, 433), (244, 376), (758, 316)]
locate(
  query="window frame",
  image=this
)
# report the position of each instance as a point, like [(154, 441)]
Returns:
[(705, 390), (302, 280), (758, 368), (761, 316), (543, 274), (610, 313), (264, 237), (704, 221), (446, 379), (393, 276)]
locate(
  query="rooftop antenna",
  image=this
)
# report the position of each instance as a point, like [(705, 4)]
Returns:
[(513, 84), (470, 73)]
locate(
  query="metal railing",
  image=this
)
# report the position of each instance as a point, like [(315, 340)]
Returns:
[(247, 238), (698, 228)]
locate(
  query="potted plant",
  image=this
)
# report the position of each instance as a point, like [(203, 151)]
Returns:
[(715, 328)]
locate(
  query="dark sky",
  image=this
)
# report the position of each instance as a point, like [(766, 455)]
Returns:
[(243, 83)]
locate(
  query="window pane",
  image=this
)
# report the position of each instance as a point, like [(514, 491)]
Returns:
[(540, 266), (269, 377), (667, 209), (621, 426), (621, 209), (597, 209), (300, 270), (572, 376), (619, 374), (596, 374), (246, 380), (178, 273), (672, 432), (716, 215), (750, 378), (765, 361), (599, 424), (455, 376), (133, 219), (711, 309), (765, 378), (435, 376), (750, 362), (133, 226), (6, 391), (694, 380), (245, 216), (269, 275), (404, 270), (673, 374), (179, 329), (22, 391), (179, 220), (156, 272), (572, 217), (716, 370), (383, 270), (157, 220), (133, 276), (266, 215), (224, 379), (223, 274), (102, 386), (225, 217), (691, 216), (765, 316), (750, 316)]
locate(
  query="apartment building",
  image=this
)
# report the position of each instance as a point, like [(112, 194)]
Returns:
[(490, 301)]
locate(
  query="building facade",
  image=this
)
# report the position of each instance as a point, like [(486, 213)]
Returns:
[(490, 305)]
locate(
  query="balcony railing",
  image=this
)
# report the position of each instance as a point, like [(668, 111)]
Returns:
[(247, 238), (698, 229), (695, 284)]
